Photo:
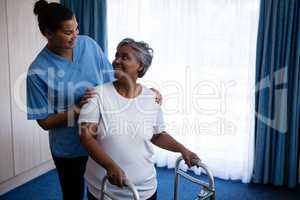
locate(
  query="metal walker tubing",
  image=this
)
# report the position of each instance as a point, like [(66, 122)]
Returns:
[(111, 196), (210, 186)]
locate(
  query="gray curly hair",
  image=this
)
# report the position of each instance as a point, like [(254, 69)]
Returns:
[(143, 53)]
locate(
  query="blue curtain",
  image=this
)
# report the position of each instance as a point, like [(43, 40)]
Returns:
[(91, 18), (277, 94)]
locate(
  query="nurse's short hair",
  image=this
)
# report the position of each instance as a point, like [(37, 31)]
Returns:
[(143, 53)]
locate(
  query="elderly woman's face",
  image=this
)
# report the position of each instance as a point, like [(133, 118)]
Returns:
[(125, 63)]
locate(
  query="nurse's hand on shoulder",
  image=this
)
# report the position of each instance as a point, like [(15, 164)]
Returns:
[(116, 175), (89, 93), (158, 96)]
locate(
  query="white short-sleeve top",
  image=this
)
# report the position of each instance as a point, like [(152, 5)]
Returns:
[(125, 129)]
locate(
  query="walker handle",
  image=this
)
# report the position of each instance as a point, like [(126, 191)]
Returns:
[(128, 184), (198, 163), (131, 186)]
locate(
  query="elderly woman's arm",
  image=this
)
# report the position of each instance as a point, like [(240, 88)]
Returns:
[(87, 136), (165, 141)]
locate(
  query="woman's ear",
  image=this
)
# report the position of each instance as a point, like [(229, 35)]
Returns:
[(141, 67)]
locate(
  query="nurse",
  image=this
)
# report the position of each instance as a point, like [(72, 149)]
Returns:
[(57, 81)]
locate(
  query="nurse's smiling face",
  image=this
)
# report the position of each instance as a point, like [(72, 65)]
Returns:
[(126, 64), (65, 37)]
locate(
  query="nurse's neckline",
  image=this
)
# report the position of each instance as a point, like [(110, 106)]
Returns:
[(67, 55)]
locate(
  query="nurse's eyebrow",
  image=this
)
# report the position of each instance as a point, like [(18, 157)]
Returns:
[(70, 30)]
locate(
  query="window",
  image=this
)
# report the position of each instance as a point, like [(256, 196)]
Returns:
[(204, 66)]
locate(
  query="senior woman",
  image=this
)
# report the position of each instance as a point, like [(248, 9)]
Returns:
[(119, 124)]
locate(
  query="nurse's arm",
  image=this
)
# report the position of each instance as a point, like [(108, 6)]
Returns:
[(63, 118), (58, 120)]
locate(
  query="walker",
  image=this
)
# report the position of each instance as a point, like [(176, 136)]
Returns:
[(207, 189)]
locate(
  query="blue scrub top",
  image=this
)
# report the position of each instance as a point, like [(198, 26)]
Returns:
[(55, 84)]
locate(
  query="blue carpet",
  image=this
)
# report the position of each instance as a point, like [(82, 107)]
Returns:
[(46, 187)]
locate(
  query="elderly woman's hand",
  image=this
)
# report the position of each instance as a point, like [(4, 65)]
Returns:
[(189, 157), (158, 96), (116, 175)]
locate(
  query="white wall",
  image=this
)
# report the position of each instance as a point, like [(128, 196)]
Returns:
[(6, 156), (24, 148)]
